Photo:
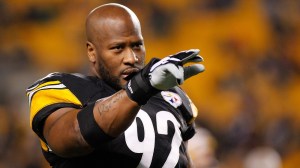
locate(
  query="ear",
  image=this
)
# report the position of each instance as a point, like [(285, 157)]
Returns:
[(91, 52)]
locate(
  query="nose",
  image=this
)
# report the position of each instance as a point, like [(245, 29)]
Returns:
[(130, 57)]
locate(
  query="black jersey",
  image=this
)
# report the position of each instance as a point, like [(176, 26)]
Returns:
[(154, 139)]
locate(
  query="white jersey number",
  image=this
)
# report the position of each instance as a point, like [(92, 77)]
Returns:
[(146, 146)]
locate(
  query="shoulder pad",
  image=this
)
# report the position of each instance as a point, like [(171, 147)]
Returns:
[(57, 76), (50, 77)]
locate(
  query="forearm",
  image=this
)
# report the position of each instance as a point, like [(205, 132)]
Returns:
[(115, 113)]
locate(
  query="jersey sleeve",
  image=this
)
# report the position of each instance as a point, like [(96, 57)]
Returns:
[(45, 96)]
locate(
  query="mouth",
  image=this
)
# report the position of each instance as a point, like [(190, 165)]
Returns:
[(128, 73)]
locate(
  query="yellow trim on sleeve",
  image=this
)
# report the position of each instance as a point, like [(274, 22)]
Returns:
[(194, 110), (46, 97), (42, 85), (44, 146)]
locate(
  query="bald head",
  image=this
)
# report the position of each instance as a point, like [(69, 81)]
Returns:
[(105, 17), (115, 45)]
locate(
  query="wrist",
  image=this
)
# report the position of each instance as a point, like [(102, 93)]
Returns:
[(139, 89)]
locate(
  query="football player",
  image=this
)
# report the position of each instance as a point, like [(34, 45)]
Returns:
[(122, 114)]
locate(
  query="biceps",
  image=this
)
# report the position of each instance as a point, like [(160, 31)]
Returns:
[(63, 135)]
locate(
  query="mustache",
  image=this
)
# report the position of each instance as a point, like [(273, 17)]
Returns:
[(130, 72), (133, 69)]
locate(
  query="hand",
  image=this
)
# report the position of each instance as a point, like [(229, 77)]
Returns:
[(169, 71), (163, 74)]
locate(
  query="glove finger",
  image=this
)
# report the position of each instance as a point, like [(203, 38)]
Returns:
[(185, 55), (181, 79), (195, 59), (192, 70), (176, 71)]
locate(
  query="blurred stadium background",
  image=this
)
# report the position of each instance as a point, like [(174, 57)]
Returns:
[(248, 97)]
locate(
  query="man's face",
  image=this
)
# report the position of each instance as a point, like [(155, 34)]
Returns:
[(119, 51)]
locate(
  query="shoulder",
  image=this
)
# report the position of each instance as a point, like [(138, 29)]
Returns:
[(177, 102), (59, 78), (75, 82), (179, 99), (54, 88), (57, 90)]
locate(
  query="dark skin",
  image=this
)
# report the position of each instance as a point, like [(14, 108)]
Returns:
[(115, 49)]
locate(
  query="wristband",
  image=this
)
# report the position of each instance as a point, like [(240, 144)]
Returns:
[(139, 88), (90, 130)]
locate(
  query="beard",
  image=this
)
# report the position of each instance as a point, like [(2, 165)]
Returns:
[(111, 80), (108, 78)]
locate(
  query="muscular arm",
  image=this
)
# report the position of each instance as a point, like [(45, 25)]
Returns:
[(113, 114)]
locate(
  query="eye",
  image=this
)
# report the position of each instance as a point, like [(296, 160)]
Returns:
[(117, 48), (137, 45)]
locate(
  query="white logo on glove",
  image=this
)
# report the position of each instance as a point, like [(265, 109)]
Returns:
[(129, 87)]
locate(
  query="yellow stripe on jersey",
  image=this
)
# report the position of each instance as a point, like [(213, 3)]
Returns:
[(44, 146), (50, 84), (47, 84), (49, 93), (194, 110)]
